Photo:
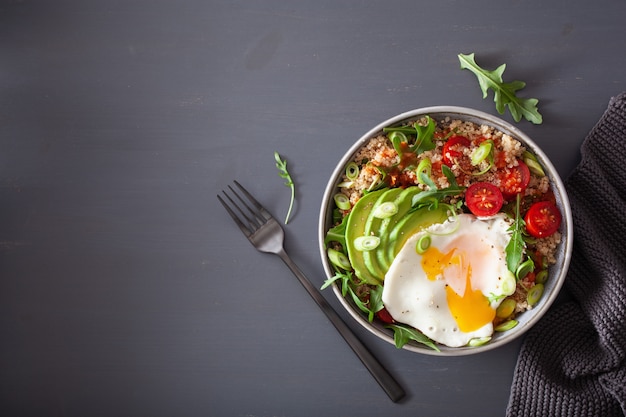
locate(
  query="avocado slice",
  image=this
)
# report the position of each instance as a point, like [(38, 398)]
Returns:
[(355, 227), (403, 201), (372, 228), (410, 224)]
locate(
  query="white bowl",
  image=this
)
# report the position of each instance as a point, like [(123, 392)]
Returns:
[(557, 271)]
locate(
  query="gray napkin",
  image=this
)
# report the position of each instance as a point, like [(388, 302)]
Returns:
[(573, 363)]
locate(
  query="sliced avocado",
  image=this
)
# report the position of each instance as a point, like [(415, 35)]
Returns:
[(412, 223), (372, 228), (355, 227), (403, 201)]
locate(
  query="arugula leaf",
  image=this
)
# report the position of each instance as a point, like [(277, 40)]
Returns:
[(504, 93), (515, 248), (345, 278), (402, 335), (424, 141), (283, 173), (423, 136), (433, 196), (337, 234), (376, 298)]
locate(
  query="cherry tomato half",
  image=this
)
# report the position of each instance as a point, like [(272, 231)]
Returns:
[(542, 219), (452, 149), (483, 199), (514, 180), (384, 316)]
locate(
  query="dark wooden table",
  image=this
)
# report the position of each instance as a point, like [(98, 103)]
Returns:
[(125, 289)]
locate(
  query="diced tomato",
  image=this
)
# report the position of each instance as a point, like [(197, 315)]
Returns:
[(500, 159), (483, 199), (514, 180), (542, 219), (384, 316), (453, 149), (479, 140)]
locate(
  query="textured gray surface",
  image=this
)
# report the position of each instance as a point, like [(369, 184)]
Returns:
[(126, 290)]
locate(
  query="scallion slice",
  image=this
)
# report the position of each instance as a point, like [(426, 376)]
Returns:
[(339, 259), (365, 243), (507, 325), (352, 171), (423, 243), (524, 268), (482, 152), (533, 164), (424, 168), (534, 294), (478, 341), (506, 308), (542, 276), (384, 210), (342, 201), (508, 283)]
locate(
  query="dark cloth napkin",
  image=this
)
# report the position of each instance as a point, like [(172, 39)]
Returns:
[(573, 362)]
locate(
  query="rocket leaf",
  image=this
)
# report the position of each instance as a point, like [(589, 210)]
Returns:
[(504, 93)]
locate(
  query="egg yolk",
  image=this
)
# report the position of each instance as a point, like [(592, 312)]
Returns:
[(469, 307)]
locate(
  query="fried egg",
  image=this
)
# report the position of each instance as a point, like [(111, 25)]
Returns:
[(450, 290)]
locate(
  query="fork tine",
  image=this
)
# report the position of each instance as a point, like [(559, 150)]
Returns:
[(264, 213), (256, 220), (246, 231)]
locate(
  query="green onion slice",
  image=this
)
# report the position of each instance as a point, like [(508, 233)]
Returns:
[(507, 325), (352, 171), (423, 243), (339, 259), (482, 152), (533, 164), (508, 283), (534, 294), (524, 268), (365, 243), (384, 210), (541, 277), (342, 201), (396, 137), (425, 168), (478, 341), (506, 308)]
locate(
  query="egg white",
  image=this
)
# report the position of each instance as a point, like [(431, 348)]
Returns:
[(427, 290)]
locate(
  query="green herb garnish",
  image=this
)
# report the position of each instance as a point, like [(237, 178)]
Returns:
[(504, 93), (423, 137), (402, 335), (433, 196), (283, 173), (515, 248), (346, 283)]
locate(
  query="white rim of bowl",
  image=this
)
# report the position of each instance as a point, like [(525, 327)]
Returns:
[(553, 287)]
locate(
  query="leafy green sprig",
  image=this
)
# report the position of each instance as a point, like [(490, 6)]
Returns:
[(433, 196), (515, 248), (283, 173), (504, 93), (403, 335), (423, 137), (346, 281)]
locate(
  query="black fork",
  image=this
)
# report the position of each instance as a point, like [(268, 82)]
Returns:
[(266, 234)]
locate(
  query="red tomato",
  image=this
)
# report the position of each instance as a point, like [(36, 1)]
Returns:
[(384, 316), (483, 199), (542, 219), (451, 149), (514, 180)]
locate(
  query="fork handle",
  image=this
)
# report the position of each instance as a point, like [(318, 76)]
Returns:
[(382, 376)]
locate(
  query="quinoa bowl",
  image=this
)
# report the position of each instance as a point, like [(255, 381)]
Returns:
[(445, 231)]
